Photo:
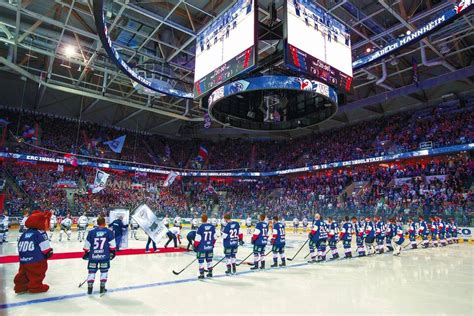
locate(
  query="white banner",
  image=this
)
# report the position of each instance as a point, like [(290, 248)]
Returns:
[(125, 214), (465, 232), (170, 179), (100, 181), (148, 221)]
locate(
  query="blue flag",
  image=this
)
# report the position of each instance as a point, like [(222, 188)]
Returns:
[(116, 145)]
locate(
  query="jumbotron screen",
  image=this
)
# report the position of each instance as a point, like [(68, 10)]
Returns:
[(225, 48), (318, 44)]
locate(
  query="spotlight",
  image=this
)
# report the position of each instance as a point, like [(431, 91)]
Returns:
[(368, 50), (69, 51), (408, 32)]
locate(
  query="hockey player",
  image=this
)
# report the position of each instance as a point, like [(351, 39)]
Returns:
[(317, 240), (434, 231), (423, 231), (6, 223), (191, 236), (379, 234), (204, 246), (441, 231), (214, 222), (22, 225), (194, 223), (398, 239), (232, 238), (346, 236), (278, 243), (99, 248), (52, 226), (449, 232), (66, 227), (118, 227), (133, 228), (412, 229), (369, 234), (248, 224), (177, 222), (332, 237), (82, 223), (305, 224), (259, 241), (166, 221), (359, 232), (2, 229), (296, 223), (389, 234), (454, 228)]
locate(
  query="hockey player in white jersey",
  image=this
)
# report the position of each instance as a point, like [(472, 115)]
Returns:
[(214, 222), (82, 223), (4, 223), (296, 223), (177, 222), (305, 224), (248, 224), (166, 221), (194, 223), (133, 229), (66, 225), (22, 225), (52, 225)]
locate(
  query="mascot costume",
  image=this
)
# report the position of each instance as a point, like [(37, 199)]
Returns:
[(34, 250)]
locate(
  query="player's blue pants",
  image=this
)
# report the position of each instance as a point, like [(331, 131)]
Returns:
[(412, 238), (230, 253), (258, 253), (320, 245), (205, 256), (333, 246), (434, 238), (425, 242), (93, 266), (278, 250), (118, 241), (442, 238), (346, 243), (388, 241)]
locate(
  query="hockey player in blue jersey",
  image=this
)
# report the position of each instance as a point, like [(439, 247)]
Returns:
[(359, 232), (318, 239), (232, 237), (389, 234), (434, 231), (379, 234), (412, 229), (369, 235), (441, 231), (99, 248), (204, 246), (449, 232), (333, 233), (118, 227), (398, 238), (191, 236), (278, 242), (259, 241), (346, 236), (423, 231)]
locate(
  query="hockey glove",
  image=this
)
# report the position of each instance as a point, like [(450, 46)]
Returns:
[(241, 242), (49, 254), (85, 256), (112, 254)]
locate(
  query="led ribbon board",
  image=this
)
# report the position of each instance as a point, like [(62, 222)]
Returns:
[(443, 19), (226, 47), (106, 41), (317, 44)]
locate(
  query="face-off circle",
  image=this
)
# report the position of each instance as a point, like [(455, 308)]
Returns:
[(273, 103)]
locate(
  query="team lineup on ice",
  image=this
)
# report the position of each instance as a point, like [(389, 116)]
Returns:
[(265, 238)]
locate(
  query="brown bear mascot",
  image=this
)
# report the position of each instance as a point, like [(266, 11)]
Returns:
[(34, 250)]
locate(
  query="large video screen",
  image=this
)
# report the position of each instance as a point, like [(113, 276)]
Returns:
[(318, 44), (225, 48)]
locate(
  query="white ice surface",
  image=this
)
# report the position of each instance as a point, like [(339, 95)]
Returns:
[(426, 281)]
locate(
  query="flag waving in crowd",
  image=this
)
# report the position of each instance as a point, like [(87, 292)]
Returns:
[(100, 181), (170, 179), (202, 153), (116, 144)]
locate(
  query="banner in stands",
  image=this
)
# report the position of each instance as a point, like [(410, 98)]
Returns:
[(443, 19), (339, 164), (125, 214), (148, 221)]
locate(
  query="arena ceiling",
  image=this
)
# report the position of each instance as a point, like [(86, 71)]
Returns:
[(39, 73)]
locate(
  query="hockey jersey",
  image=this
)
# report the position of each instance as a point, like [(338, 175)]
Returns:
[(33, 246), (99, 242), (278, 234), (346, 232), (82, 221), (231, 235), (423, 229), (205, 238), (319, 230), (412, 229), (260, 234), (379, 229), (369, 229)]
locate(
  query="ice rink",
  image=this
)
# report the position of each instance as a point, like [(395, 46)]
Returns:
[(434, 281)]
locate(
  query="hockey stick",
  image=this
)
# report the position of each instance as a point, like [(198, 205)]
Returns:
[(251, 263), (238, 264), (291, 259), (178, 273), (222, 259), (82, 283)]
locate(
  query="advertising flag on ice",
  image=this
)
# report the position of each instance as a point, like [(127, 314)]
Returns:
[(148, 221), (170, 179), (202, 154), (116, 145), (100, 181)]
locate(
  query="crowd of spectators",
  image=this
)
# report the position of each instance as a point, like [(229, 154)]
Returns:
[(446, 124)]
